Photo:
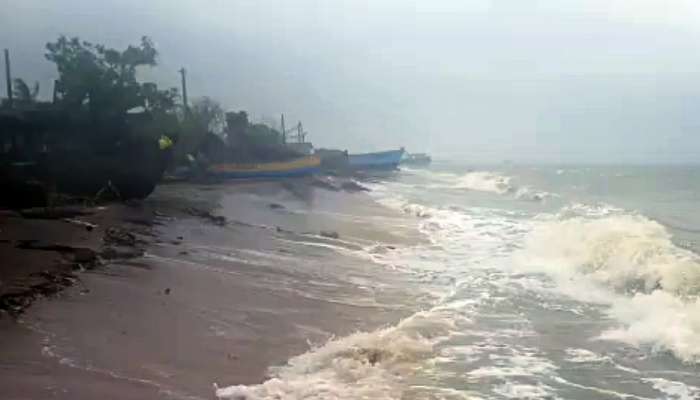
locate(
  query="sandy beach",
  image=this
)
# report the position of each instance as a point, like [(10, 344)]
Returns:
[(234, 279)]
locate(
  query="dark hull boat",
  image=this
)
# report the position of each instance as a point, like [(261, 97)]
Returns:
[(133, 171)]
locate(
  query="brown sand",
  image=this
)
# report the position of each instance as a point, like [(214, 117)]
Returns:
[(208, 303)]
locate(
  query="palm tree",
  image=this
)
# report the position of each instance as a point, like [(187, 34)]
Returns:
[(23, 94)]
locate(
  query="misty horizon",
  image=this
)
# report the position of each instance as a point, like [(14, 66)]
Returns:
[(552, 81)]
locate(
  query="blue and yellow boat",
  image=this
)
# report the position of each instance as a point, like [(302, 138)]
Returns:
[(303, 166)]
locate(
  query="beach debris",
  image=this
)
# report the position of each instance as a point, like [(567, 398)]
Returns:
[(48, 283), (160, 214), (276, 206), (120, 252), (215, 219), (119, 236), (84, 255), (87, 225), (352, 186), (330, 234), (147, 222), (54, 212), (279, 229), (107, 192), (166, 291), (32, 244), (80, 255), (326, 183), (9, 214)]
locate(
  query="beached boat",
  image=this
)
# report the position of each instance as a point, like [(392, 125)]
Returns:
[(378, 160), (298, 167)]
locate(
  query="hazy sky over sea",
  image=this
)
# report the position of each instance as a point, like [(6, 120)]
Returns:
[(548, 80)]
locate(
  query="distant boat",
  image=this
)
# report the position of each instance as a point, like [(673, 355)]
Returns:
[(416, 159), (378, 160), (303, 166)]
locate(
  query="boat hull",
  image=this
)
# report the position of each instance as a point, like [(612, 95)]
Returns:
[(304, 166), (383, 160)]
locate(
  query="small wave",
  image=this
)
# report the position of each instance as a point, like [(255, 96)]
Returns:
[(674, 390), (485, 181), (528, 193), (362, 365), (585, 356), (630, 263)]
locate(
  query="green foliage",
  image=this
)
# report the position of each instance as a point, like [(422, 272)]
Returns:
[(209, 114), (236, 127), (23, 95), (103, 79), (263, 134), (159, 101)]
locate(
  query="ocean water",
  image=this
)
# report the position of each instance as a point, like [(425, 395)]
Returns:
[(541, 282)]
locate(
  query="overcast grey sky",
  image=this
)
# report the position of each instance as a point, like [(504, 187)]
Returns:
[(527, 80)]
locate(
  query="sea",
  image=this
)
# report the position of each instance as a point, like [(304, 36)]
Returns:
[(534, 282)]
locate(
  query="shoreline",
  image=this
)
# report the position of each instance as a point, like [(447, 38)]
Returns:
[(202, 243)]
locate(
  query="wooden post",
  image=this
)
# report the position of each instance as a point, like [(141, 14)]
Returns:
[(183, 72), (8, 76), (284, 132), (55, 91)]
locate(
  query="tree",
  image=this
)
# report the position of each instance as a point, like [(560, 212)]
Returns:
[(103, 79), (236, 127), (209, 114), (159, 101), (23, 94)]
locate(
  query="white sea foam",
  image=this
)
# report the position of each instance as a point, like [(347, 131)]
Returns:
[(485, 181), (630, 263), (363, 365), (512, 390), (585, 356), (673, 390)]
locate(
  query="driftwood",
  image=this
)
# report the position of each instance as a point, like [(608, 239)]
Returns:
[(87, 225), (215, 219)]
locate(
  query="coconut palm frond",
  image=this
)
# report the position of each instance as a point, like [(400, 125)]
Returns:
[(23, 93), (35, 91)]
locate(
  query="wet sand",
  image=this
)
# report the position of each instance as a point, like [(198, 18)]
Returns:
[(210, 302)]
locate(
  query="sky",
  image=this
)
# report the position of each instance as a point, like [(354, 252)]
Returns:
[(485, 80)]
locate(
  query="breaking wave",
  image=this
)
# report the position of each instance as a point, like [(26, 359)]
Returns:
[(485, 181), (629, 262), (373, 365)]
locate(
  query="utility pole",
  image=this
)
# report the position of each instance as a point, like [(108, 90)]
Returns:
[(284, 132), (55, 91), (8, 76), (183, 72)]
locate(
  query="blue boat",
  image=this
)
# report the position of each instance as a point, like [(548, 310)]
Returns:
[(378, 160)]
